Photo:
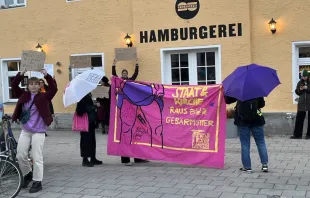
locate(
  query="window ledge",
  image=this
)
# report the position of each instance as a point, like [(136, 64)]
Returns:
[(10, 103), (11, 7)]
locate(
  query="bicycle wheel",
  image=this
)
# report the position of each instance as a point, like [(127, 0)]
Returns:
[(11, 178)]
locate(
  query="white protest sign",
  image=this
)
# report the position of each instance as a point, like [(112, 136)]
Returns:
[(48, 67)]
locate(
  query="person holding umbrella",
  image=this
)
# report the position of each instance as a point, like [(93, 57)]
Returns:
[(248, 85), (79, 91), (249, 119), (88, 139), (303, 91)]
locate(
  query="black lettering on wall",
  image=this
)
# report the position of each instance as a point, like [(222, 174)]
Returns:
[(143, 37), (163, 35), (153, 36), (232, 30), (174, 34), (239, 29), (203, 34), (193, 33), (222, 31), (212, 31), (184, 33)]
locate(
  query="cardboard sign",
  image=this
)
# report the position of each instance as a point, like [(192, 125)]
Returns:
[(126, 54), (49, 68), (101, 92), (80, 61), (32, 60)]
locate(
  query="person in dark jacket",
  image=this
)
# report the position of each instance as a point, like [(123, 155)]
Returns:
[(126, 160), (104, 103), (43, 89), (303, 91), (245, 127), (88, 139), (125, 72)]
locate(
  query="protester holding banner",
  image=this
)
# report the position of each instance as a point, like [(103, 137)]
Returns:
[(126, 160), (32, 110), (248, 118), (125, 72), (88, 138)]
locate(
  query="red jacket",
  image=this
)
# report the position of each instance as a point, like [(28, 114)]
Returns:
[(41, 100)]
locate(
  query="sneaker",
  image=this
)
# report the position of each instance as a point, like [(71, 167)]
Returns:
[(128, 164), (36, 187), (265, 168), (294, 137), (95, 162), (27, 180), (87, 164), (248, 170)]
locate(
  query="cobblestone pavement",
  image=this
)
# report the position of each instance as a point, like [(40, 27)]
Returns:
[(64, 176)]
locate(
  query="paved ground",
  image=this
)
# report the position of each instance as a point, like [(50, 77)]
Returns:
[(64, 177)]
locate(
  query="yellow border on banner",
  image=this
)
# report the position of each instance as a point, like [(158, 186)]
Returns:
[(175, 148)]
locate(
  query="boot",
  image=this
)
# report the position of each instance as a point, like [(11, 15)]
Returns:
[(94, 161), (36, 187), (86, 163), (27, 180)]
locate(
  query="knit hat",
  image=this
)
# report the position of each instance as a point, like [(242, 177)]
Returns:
[(304, 73)]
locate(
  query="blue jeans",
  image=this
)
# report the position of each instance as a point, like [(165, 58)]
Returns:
[(245, 139)]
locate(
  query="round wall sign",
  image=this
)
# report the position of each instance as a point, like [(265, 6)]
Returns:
[(187, 9)]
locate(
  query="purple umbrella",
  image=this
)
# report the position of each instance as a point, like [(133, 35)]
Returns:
[(251, 81)]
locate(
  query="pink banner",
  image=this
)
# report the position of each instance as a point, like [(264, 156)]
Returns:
[(183, 124)]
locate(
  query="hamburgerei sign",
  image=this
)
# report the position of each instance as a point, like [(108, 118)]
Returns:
[(188, 9), (191, 33)]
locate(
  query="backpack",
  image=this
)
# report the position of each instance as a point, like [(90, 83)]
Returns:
[(248, 110)]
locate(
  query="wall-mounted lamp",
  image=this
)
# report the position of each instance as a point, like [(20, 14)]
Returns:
[(272, 26), (39, 48), (128, 40)]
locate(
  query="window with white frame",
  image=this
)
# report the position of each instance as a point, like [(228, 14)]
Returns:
[(96, 63), (191, 67), (301, 61), (4, 4), (10, 68)]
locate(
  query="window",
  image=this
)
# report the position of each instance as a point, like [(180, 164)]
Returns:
[(300, 61), (191, 67), (9, 70), (97, 61), (206, 69), (4, 4)]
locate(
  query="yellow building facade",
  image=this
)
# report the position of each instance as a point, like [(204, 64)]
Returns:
[(178, 42)]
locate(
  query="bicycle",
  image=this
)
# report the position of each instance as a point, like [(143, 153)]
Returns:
[(11, 177)]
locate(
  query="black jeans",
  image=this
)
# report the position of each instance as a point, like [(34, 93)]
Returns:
[(299, 124), (88, 142), (127, 160)]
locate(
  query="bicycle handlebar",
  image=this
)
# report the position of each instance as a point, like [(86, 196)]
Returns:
[(7, 117)]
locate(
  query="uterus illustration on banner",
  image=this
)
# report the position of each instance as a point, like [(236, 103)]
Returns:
[(173, 123)]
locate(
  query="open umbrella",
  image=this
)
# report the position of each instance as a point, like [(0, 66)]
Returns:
[(81, 86), (251, 81)]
